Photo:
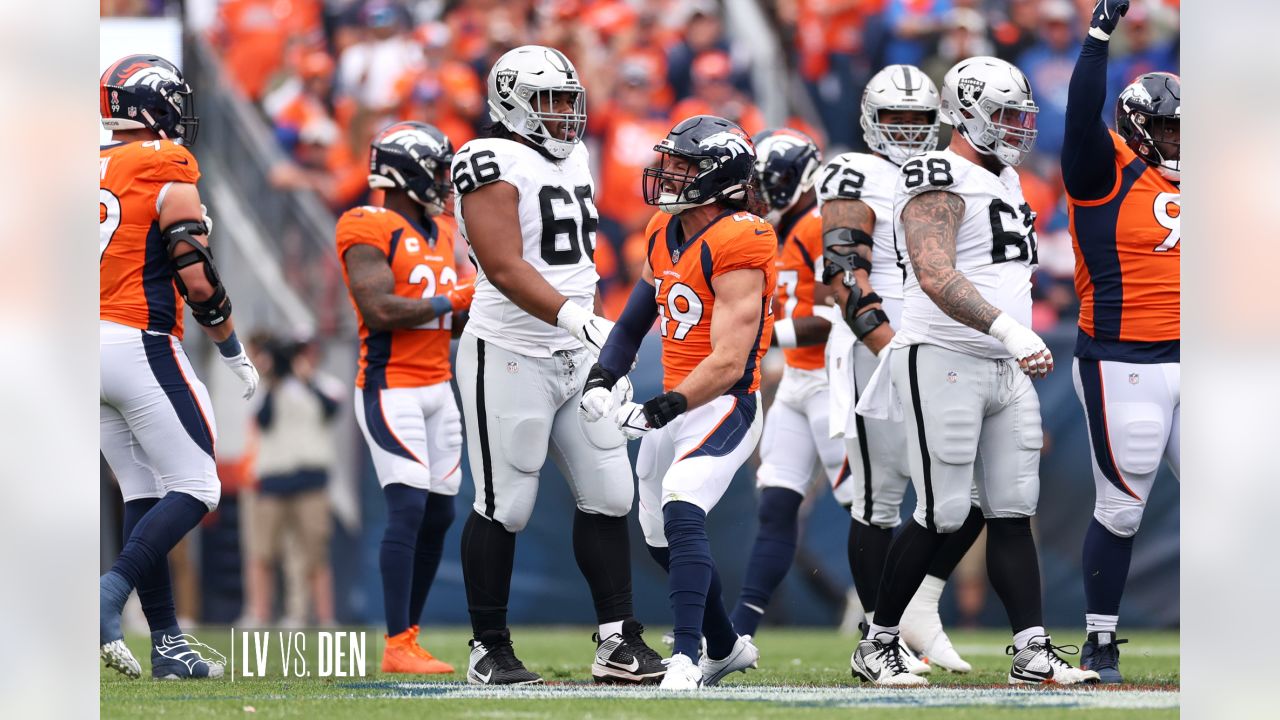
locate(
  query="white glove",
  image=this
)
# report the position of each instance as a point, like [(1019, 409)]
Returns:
[(631, 420), (585, 326), (1027, 348), (598, 401), (208, 222), (242, 366)]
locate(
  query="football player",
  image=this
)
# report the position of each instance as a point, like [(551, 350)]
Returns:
[(1125, 203), (157, 427), (899, 121), (524, 201), (961, 363), (795, 436), (398, 264), (709, 281)]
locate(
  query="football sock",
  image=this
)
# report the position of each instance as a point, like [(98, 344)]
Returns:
[(957, 544), (716, 625), (155, 591), (690, 573), (405, 509), (610, 629), (1100, 623), (868, 551), (113, 591), (155, 534), (1014, 570), (909, 558), (602, 547), (488, 554), (1024, 637), (1106, 567), (436, 520), (771, 557), (875, 631)]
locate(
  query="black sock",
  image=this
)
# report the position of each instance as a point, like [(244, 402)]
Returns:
[(602, 547), (957, 544), (405, 507), (155, 591), (155, 534), (436, 519), (908, 562), (1014, 570), (868, 552), (488, 554), (771, 556)]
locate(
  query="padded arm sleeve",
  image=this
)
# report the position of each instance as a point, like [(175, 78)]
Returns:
[(1088, 156), (620, 349)]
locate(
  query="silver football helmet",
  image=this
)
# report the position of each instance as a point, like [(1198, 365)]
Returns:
[(900, 87), (521, 86), (989, 102)]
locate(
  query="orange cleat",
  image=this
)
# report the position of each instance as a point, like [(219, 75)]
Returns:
[(404, 655)]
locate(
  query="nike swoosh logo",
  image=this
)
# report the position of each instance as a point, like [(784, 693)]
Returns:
[(632, 667), (761, 232), (1035, 673), (483, 678), (182, 162)]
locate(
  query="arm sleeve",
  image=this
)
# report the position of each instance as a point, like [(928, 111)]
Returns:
[(1088, 155), (620, 349)]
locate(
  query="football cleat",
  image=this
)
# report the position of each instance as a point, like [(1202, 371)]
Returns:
[(682, 674), (625, 658), (118, 657), (402, 654), (914, 664), (1039, 663), (494, 662), (923, 634), (178, 656), (1101, 654), (880, 660), (743, 656)]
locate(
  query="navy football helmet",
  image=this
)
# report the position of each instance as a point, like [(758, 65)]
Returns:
[(413, 157), (147, 92), (1149, 118), (787, 163), (722, 159)]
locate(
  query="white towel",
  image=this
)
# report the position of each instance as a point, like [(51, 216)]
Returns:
[(839, 374)]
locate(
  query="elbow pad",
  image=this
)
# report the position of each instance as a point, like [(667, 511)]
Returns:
[(867, 321), (217, 308), (839, 254)]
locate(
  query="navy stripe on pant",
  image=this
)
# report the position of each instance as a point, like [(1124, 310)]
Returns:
[(1095, 408), (163, 360)]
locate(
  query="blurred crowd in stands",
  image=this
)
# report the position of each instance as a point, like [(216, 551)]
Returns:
[(329, 73)]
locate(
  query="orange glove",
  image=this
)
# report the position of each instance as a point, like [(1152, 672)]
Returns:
[(460, 296)]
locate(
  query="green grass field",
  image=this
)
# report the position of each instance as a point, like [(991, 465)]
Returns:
[(803, 673)]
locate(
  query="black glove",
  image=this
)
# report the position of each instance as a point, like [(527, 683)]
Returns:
[(1107, 14), (663, 409), (599, 377)]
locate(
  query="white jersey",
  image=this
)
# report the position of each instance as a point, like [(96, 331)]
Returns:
[(995, 249), (558, 220), (873, 180)]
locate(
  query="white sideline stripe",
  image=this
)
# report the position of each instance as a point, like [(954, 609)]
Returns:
[(835, 697)]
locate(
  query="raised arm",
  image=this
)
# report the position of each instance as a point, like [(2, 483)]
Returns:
[(1088, 156)]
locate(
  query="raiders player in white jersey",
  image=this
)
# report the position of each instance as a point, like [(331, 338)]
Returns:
[(899, 121), (961, 363), (524, 203)]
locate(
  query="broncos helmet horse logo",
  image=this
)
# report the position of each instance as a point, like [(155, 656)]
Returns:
[(735, 144)]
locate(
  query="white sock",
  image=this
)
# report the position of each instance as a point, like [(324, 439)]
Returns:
[(609, 629), (875, 631), (869, 616), (1101, 623), (929, 593), (1025, 637)]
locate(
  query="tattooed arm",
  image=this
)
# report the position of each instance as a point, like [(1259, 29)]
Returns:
[(931, 221), (374, 288), (859, 216)]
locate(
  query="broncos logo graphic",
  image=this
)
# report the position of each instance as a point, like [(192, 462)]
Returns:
[(735, 144), (152, 76), (409, 137), (183, 649)]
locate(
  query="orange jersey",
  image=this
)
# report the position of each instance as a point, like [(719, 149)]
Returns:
[(797, 269), (135, 275), (421, 259), (682, 275), (1128, 260)]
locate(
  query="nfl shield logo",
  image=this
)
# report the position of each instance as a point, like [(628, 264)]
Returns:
[(1133, 378), (513, 367), (675, 255), (952, 377), (505, 81)]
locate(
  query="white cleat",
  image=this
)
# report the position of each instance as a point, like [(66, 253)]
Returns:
[(682, 675), (915, 665), (927, 638), (744, 655), (119, 658), (1038, 663), (881, 661)]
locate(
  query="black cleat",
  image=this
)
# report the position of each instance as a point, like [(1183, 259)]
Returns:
[(624, 658), (1101, 654), (494, 662)]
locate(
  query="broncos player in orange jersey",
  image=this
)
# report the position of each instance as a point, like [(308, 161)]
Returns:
[(398, 263), (157, 428), (709, 282), (1124, 204)]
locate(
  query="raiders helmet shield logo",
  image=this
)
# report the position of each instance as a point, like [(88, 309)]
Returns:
[(968, 90), (505, 81)]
